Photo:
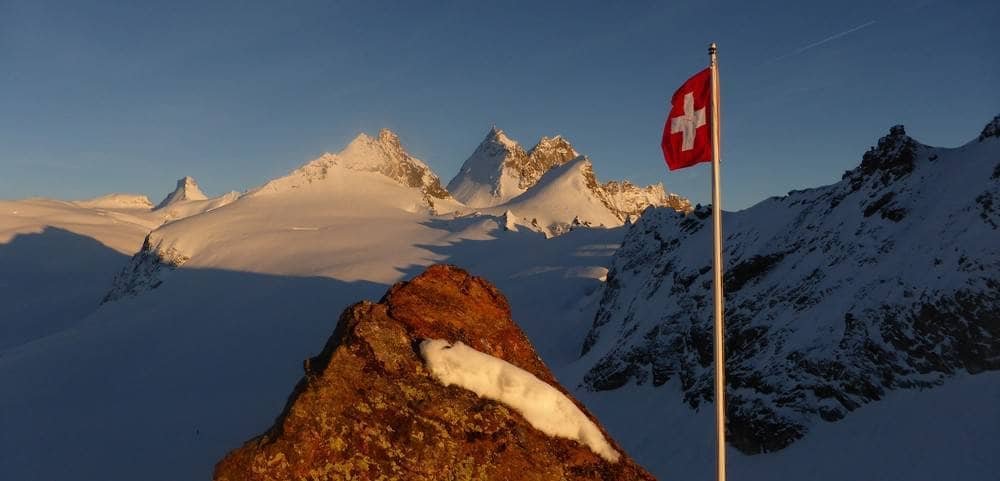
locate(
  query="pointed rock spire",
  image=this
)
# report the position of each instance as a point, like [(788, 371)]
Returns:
[(187, 189)]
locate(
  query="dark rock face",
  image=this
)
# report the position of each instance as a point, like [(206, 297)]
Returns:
[(992, 129), (144, 270), (889, 279), (368, 409)]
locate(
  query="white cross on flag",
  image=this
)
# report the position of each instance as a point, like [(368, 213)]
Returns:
[(687, 134)]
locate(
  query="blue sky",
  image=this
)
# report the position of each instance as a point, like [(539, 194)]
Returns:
[(99, 97)]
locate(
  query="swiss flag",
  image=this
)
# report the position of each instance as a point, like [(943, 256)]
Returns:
[(687, 136)]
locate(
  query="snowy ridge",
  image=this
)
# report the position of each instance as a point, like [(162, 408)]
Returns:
[(188, 208), (117, 201), (570, 196), (835, 295), (543, 406)]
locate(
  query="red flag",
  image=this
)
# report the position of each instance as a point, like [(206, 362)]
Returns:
[(687, 135)]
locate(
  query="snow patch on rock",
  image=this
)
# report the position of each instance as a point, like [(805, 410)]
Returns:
[(545, 407)]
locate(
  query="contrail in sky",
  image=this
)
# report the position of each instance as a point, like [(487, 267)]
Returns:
[(827, 39), (833, 37)]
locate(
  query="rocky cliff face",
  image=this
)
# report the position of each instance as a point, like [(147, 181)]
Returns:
[(885, 280), (404, 168), (368, 408), (549, 152)]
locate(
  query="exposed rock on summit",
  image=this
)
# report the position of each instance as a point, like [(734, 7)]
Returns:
[(368, 408)]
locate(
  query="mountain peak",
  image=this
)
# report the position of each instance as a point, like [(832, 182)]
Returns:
[(500, 169), (992, 129), (549, 152), (388, 137), (187, 189), (554, 149), (892, 158), (484, 179), (498, 136), (384, 154)]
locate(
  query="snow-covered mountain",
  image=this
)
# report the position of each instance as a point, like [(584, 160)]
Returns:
[(835, 296), (499, 169), (187, 189), (117, 201), (187, 200), (371, 197), (384, 155), (570, 196)]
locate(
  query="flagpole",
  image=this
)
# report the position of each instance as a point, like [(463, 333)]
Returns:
[(720, 360)]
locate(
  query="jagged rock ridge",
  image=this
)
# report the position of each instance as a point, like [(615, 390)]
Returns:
[(627, 200), (834, 295), (368, 408)]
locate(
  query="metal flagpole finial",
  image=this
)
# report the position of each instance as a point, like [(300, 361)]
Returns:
[(712, 49)]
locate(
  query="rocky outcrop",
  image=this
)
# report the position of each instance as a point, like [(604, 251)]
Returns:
[(885, 280), (145, 270), (368, 408)]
